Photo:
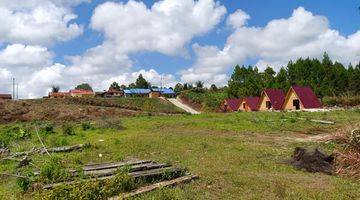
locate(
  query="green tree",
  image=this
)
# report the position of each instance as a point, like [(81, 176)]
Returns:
[(132, 86), (178, 87), (84, 86), (281, 80), (55, 89), (268, 77), (115, 86), (141, 82), (199, 84), (213, 88)]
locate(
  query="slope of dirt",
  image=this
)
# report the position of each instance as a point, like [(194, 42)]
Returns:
[(58, 110)]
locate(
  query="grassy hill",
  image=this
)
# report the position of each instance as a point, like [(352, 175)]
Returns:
[(237, 156)]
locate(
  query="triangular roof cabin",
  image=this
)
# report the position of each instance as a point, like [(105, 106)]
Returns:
[(231, 105), (249, 104), (301, 97), (271, 99)]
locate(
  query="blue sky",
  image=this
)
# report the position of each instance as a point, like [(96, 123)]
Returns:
[(67, 42), (343, 16)]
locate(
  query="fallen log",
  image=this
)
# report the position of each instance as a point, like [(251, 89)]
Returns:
[(50, 150), (318, 121), (145, 189)]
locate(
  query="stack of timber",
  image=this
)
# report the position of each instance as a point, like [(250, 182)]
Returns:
[(138, 169)]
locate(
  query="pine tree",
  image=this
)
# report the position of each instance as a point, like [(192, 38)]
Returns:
[(141, 82)]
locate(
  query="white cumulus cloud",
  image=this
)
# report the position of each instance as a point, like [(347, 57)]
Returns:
[(37, 22), (303, 34)]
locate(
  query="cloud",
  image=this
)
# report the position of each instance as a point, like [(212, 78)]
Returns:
[(165, 27), (301, 35), (237, 19), (35, 22)]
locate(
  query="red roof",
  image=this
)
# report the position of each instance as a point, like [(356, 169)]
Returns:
[(5, 96), (80, 92), (252, 102), (276, 96), (234, 104), (307, 97)]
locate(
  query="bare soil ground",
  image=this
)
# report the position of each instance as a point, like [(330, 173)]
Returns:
[(57, 110)]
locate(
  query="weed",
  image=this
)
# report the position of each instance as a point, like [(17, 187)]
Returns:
[(47, 129), (53, 171), (68, 129), (87, 126)]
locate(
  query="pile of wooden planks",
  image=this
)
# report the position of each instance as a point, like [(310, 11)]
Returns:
[(138, 169)]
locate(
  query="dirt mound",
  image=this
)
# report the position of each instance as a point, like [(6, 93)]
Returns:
[(314, 161)]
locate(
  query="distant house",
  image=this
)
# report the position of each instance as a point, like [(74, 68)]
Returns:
[(110, 93), (249, 104), (271, 99), (58, 95), (164, 92), (81, 93), (137, 92), (230, 105), (299, 98), (5, 96)]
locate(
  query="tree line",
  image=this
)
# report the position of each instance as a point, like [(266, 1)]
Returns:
[(325, 77)]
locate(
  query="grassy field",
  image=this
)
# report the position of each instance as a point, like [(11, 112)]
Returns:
[(237, 156)]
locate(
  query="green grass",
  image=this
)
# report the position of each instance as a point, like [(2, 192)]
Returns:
[(153, 105), (209, 101), (237, 156)]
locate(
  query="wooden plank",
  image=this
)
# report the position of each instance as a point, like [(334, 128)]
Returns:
[(142, 174), (103, 166), (145, 189), (134, 168), (114, 165)]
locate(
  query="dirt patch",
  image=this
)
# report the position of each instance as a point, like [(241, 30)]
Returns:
[(315, 161), (56, 110)]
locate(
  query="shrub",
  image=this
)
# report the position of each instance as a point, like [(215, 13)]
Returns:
[(86, 126), (68, 129), (13, 133), (47, 129)]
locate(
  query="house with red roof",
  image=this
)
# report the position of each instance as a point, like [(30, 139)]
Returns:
[(230, 105), (271, 99), (249, 104), (5, 96), (81, 93), (300, 98)]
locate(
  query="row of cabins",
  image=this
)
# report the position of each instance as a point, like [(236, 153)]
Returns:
[(297, 98), (5, 96), (152, 93)]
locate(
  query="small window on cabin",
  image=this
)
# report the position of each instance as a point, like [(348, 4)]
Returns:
[(268, 104)]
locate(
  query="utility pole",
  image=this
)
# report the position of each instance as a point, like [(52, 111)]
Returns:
[(13, 89), (17, 91)]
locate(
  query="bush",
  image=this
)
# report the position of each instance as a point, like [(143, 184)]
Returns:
[(68, 129), (47, 129), (86, 126), (13, 133)]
